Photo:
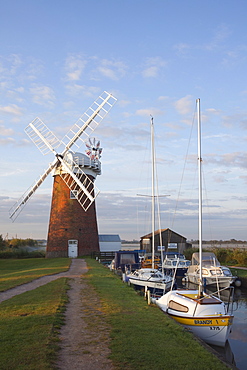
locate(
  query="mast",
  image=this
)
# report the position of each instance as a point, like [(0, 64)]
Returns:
[(200, 195), (153, 199)]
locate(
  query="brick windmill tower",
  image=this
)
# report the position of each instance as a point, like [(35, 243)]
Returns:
[(73, 227)]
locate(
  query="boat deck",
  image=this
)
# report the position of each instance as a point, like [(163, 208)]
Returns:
[(204, 300)]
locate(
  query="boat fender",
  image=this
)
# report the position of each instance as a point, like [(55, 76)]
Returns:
[(237, 283)]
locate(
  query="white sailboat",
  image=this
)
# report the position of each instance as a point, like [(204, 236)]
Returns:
[(204, 315), (151, 278)]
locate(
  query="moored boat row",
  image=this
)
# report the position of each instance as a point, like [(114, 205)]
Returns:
[(207, 316)]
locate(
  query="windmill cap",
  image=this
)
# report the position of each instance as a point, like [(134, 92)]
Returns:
[(91, 167)]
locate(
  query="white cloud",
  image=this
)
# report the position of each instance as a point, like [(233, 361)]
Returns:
[(88, 91), (213, 111), (11, 109), (184, 105), (149, 111), (7, 141), (150, 72), (6, 131), (220, 179), (43, 95), (153, 67), (220, 35), (112, 69), (162, 98), (234, 159), (74, 66), (182, 48), (124, 103), (10, 64)]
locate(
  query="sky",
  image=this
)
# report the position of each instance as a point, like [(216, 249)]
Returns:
[(156, 57)]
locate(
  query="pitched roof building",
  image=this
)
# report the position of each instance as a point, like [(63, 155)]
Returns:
[(167, 238)]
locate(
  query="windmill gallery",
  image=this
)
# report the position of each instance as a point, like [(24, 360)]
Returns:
[(73, 229)]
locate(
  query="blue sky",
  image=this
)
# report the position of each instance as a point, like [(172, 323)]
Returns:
[(156, 57)]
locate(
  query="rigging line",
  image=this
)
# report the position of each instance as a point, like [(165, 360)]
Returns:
[(186, 156), (158, 201), (206, 199), (157, 196), (143, 220)]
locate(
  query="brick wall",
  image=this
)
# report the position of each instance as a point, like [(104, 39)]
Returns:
[(68, 220)]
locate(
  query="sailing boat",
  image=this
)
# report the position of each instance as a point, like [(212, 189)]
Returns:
[(205, 315), (151, 278)]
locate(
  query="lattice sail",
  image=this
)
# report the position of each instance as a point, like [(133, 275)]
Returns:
[(87, 123), (41, 136), (20, 204), (47, 142), (80, 184)]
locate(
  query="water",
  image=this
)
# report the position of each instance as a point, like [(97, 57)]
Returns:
[(238, 336), (235, 351)]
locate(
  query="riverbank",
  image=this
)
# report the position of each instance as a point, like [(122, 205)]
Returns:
[(142, 337), (107, 324)]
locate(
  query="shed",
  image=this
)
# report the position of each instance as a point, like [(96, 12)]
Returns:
[(109, 243), (171, 241)]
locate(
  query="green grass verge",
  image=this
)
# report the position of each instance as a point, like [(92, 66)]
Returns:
[(16, 272), (142, 337), (239, 272), (28, 327)]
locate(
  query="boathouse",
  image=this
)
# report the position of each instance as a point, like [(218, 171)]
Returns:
[(171, 241)]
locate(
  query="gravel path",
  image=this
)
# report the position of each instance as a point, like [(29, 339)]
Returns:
[(85, 335)]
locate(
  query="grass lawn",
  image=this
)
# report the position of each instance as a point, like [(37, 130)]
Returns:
[(27, 321), (142, 337), (239, 272), (15, 272)]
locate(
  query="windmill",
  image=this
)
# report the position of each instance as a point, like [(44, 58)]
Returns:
[(73, 227)]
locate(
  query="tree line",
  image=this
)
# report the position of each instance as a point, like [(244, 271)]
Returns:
[(16, 243)]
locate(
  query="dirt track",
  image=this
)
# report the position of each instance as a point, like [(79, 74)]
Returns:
[(85, 335)]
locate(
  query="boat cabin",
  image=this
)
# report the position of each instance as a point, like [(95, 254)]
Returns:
[(126, 260)]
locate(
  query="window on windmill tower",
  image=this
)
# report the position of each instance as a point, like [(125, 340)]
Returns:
[(73, 194)]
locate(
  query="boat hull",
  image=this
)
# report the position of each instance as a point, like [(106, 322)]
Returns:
[(213, 274), (211, 330), (205, 317), (150, 285), (151, 279), (180, 272)]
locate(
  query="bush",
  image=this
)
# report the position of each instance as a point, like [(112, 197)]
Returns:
[(21, 253), (225, 256), (222, 254), (188, 252), (240, 256), (234, 256)]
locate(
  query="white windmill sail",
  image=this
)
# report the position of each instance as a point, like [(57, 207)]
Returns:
[(88, 122), (20, 204), (80, 184), (41, 136), (47, 142)]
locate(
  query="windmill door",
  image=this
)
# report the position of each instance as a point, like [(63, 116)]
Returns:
[(72, 248)]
